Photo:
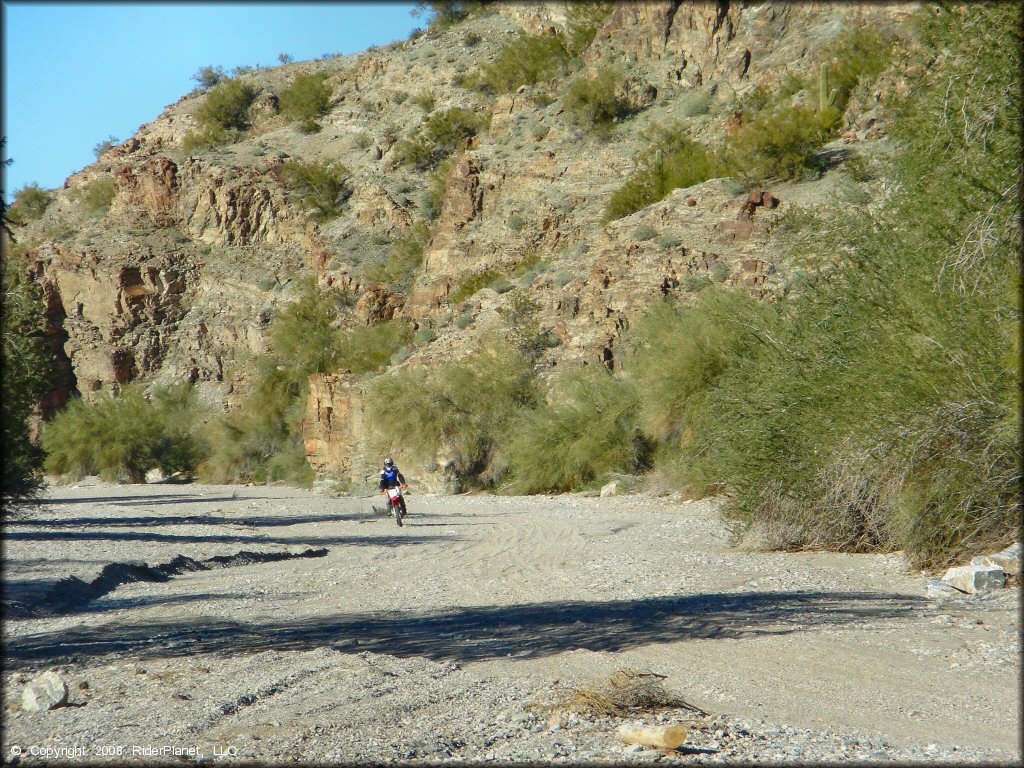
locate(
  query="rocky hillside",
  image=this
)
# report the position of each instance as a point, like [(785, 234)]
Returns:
[(178, 273)]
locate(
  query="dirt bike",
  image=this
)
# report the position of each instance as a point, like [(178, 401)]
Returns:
[(395, 504)]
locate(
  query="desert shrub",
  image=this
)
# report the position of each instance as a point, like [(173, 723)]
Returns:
[(226, 106), (105, 146), (440, 136), (30, 203), (470, 284), (425, 335), (209, 76), (696, 282), (596, 102), (322, 189), (644, 232), (777, 143), (121, 438), (24, 379), (590, 426), (525, 332), (369, 348), (675, 353), (694, 103), (886, 414), (471, 39), (96, 196), (525, 60), (583, 20), (464, 320), (306, 100), (462, 410), (720, 272), (404, 256), (515, 222), (261, 441), (432, 199), (672, 161), (206, 138), (424, 100), (669, 241)]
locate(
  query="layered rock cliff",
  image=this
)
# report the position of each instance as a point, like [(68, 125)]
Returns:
[(180, 276)]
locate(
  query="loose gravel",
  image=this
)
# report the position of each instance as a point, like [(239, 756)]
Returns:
[(452, 639)]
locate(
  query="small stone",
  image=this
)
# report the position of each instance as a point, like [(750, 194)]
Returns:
[(610, 489), (45, 692), (975, 578)]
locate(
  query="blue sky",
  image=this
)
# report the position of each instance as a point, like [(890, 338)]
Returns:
[(76, 73)]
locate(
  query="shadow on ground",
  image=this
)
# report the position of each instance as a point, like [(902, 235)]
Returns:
[(478, 634)]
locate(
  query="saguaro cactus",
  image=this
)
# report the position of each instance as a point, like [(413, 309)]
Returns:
[(825, 99)]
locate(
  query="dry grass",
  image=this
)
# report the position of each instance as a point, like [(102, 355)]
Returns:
[(624, 694)]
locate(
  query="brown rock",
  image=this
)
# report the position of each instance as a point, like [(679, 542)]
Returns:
[(691, 201), (379, 304), (768, 200)]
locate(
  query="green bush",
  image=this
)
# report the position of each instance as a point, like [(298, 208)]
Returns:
[(24, 380), (776, 143), (322, 189), (462, 410), (672, 161), (591, 427), (96, 196), (209, 76), (122, 438), (226, 106), (525, 60), (464, 320), (470, 284), (424, 100), (694, 103), (596, 102), (644, 232), (30, 203), (262, 441), (441, 136), (105, 146), (306, 100), (583, 20), (404, 257), (437, 185), (886, 413), (425, 335), (369, 348), (669, 241), (206, 138)]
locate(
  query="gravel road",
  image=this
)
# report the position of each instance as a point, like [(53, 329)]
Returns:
[(454, 638)]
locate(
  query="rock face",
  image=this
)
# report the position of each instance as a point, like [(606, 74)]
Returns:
[(45, 692), (335, 430)]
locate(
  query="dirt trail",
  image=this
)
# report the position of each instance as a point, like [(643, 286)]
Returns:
[(477, 607)]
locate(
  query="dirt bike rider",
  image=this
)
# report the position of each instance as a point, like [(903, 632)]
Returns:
[(391, 477)]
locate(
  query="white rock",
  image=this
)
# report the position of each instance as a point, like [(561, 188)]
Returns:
[(1009, 559), (939, 588), (44, 692), (975, 578), (610, 489), (154, 475)]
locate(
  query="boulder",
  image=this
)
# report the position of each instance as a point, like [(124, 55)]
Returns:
[(939, 588), (610, 489), (44, 692), (975, 578), (1009, 560)]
